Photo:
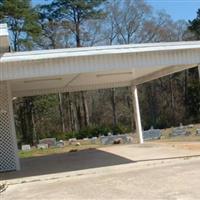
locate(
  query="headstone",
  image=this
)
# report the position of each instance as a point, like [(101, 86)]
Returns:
[(26, 147), (152, 134), (42, 146), (51, 142), (85, 139), (198, 131), (78, 144), (129, 139), (60, 144), (94, 140), (106, 140), (190, 126), (72, 141), (179, 131)]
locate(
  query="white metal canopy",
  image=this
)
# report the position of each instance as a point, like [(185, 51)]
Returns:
[(50, 71), (4, 42)]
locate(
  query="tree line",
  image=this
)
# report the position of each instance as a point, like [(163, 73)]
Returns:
[(164, 102)]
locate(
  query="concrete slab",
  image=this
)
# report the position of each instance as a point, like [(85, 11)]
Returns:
[(151, 151)]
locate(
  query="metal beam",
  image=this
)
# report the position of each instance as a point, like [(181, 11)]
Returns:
[(137, 113), (163, 72)]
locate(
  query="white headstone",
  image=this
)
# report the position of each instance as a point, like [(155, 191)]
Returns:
[(60, 143), (198, 131), (42, 146), (93, 140), (26, 147), (49, 141), (190, 126), (72, 141)]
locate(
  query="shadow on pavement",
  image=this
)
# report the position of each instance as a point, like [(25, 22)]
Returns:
[(65, 162)]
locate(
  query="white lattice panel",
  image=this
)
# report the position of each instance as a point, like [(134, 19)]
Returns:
[(7, 140)]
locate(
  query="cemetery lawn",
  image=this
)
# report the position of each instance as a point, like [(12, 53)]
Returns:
[(56, 150)]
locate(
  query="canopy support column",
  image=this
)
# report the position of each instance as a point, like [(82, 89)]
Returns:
[(137, 113), (8, 143)]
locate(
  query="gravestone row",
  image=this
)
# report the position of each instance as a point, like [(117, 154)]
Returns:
[(152, 134), (111, 139)]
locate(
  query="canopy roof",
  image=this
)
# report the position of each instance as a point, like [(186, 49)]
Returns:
[(4, 42), (76, 69)]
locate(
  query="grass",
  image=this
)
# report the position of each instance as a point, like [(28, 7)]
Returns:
[(166, 137)]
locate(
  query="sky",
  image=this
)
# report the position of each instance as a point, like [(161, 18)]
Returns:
[(178, 9)]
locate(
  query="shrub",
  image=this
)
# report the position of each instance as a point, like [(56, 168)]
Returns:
[(70, 134), (95, 131), (120, 129), (102, 130), (89, 132)]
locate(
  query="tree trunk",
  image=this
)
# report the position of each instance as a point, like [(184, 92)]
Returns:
[(60, 98), (199, 72), (113, 102), (78, 113), (73, 114), (186, 86), (85, 109), (78, 41), (35, 135), (172, 99), (130, 106)]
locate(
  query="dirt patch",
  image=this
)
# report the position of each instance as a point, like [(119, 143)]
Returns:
[(194, 146)]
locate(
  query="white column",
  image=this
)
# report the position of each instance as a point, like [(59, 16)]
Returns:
[(137, 113), (13, 131), (8, 144)]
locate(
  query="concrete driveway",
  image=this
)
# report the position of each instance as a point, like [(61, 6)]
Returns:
[(157, 172)]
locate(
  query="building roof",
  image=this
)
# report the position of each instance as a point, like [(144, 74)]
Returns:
[(4, 41), (76, 69), (99, 50)]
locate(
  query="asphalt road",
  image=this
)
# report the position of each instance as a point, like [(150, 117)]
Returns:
[(177, 180), (149, 171)]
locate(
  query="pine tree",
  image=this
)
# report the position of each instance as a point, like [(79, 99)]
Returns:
[(76, 12), (194, 26)]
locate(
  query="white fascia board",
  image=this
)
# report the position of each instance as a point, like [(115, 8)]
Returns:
[(91, 51), (142, 64)]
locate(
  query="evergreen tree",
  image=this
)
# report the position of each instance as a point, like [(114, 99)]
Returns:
[(22, 22), (76, 12), (21, 19), (194, 26), (193, 100)]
